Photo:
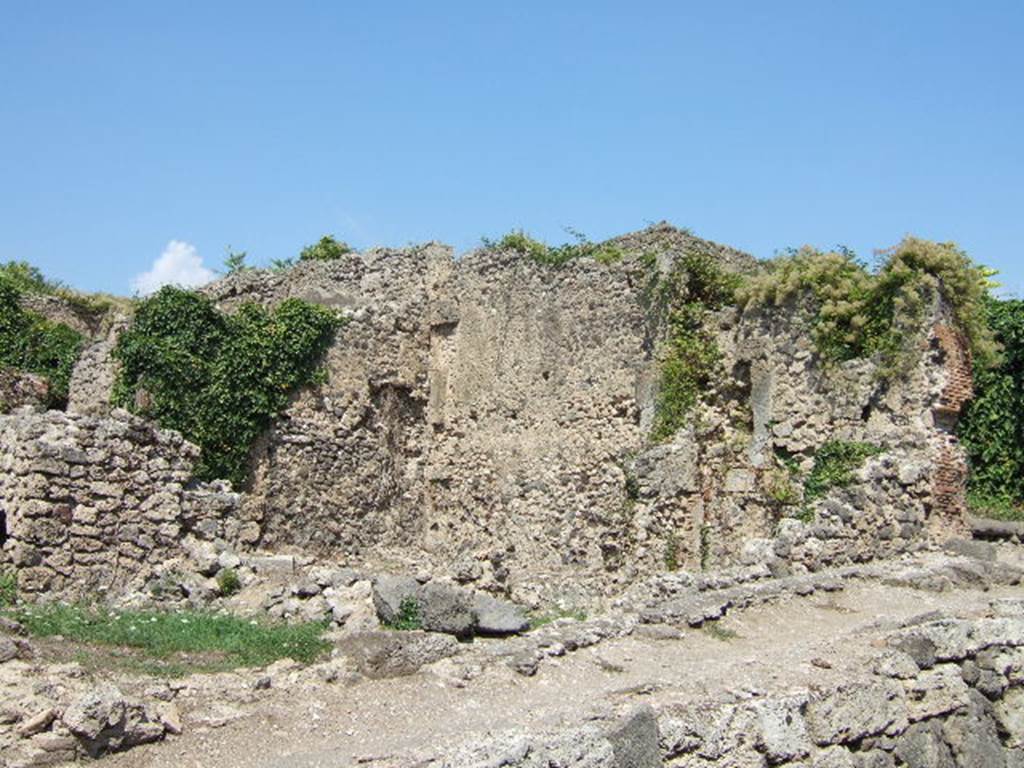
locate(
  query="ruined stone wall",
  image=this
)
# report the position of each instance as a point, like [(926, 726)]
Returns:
[(476, 417), (90, 505), (911, 494), (488, 417)]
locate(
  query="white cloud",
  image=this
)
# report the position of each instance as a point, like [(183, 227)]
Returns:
[(179, 264)]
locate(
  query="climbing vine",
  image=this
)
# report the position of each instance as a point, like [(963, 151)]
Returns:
[(688, 356), (992, 427), (834, 464), (29, 342), (217, 378)]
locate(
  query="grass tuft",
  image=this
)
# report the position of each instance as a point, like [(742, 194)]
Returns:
[(540, 620), (8, 588), (409, 617), (223, 642)]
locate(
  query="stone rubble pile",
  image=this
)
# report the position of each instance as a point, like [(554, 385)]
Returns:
[(944, 694)]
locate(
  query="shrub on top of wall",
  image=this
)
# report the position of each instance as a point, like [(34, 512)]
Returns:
[(219, 379), (29, 342), (857, 313), (556, 255), (327, 249), (30, 281)]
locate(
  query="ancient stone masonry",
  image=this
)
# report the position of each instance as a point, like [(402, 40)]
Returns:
[(488, 419), (476, 414), (949, 481), (91, 505)]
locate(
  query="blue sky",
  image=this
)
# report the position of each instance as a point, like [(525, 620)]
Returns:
[(126, 126)]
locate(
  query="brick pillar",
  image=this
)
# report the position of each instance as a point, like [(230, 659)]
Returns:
[(949, 483)]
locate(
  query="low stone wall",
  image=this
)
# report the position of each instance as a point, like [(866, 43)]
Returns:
[(90, 504), (945, 693)]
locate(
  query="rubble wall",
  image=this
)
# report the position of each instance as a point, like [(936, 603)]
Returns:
[(91, 504), (488, 417)]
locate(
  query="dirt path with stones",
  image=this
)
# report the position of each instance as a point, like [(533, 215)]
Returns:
[(405, 721)]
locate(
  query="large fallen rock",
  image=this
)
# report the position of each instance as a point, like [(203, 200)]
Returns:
[(104, 721), (498, 617), (14, 648), (439, 607), (394, 654)]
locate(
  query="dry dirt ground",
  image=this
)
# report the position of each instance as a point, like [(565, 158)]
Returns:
[(404, 721)]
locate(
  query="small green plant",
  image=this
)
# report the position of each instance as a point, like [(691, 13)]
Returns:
[(780, 482), (632, 485), (834, 464), (672, 552), (542, 619), (780, 487), (234, 261), (326, 249), (219, 379), (212, 642), (409, 618), (805, 514), (715, 630), (8, 587), (281, 265), (228, 582)]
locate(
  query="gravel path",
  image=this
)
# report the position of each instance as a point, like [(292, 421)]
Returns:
[(795, 642)]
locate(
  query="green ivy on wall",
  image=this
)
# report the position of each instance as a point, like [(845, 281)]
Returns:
[(29, 342), (688, 356), (992, 427), (217, 378)]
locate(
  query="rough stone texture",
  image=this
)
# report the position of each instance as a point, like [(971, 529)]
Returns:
[(19, 389), (635, 740), (104, 721), (93, 377), (487, 419), (92, 504), (867, 722), (394, 654)]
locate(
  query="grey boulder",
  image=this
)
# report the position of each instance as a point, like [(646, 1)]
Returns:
[(498, 617)]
